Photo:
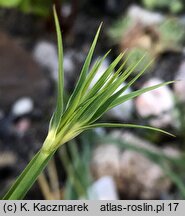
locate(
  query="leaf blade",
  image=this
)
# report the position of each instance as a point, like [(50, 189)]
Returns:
[(55, 120), (84, 69), (137, 93), (28, 176), (125, 125)]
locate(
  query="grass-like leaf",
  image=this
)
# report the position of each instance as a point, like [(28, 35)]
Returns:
[(56, 118), (76, 95), (28, 176), (92, 74), (116, 99), (113, 125), (137, 93), (104, 78)]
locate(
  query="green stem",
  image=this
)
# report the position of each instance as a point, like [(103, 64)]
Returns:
[(28, 176)]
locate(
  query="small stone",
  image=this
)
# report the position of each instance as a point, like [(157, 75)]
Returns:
[(144, 16), (155, 102), (141, 178), (105, 161), (72, 62), (45, 53), (133, 139), (69, 66), (22, 126), (164, 120), (22, 106), (171, 151), (7, 159), (103, 189), (100, 131), (66, 9)]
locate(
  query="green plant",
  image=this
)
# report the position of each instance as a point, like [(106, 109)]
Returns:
[(152, 40), (174, 6), (172, 33), (84, 107), (119, 27), (38, 7), (77, 166)]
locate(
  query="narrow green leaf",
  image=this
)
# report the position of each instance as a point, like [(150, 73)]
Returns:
[(113, 84), (8, 194), (92, 73), (103, 79), (115, 100), (91, 96), (28, 176), (75, 98), (125, 125), (140, 73), (55, 120), (105, 106), (85, 69), (105, 94), (71, 172), (112, 79), (134, 94)]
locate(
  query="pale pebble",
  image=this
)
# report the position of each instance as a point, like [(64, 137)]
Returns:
[(155, 102), (103, 189), (105, 161), (146, 17), (22, 106)]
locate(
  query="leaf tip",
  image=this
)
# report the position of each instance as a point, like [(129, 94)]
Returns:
[(54, 9)]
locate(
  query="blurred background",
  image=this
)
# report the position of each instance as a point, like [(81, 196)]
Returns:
[(104, 163)]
